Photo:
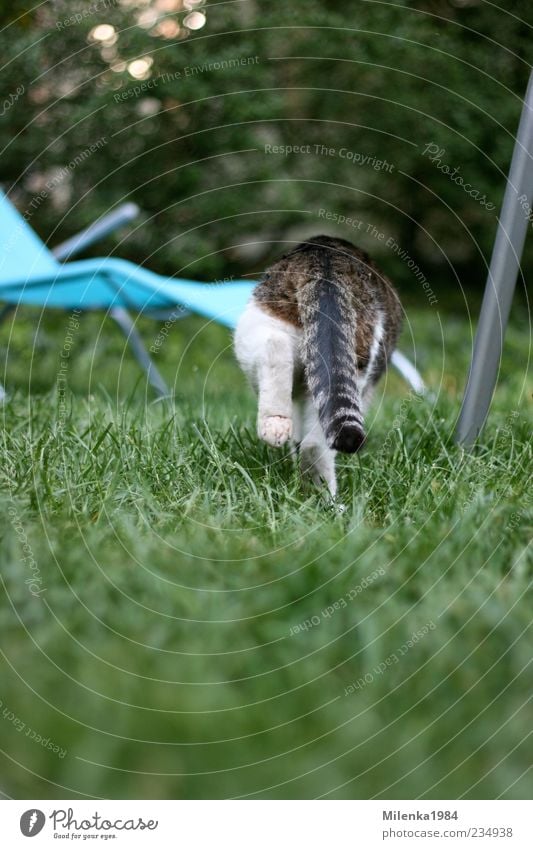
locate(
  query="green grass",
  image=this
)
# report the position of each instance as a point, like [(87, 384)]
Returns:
[(173, 555)]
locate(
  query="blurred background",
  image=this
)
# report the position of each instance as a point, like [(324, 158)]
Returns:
[(181, 99)]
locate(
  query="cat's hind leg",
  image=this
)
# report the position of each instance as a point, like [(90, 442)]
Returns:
[(316, 458), (265, 347), (275, 375)]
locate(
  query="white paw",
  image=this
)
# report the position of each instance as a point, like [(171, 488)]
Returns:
[(276, 430)]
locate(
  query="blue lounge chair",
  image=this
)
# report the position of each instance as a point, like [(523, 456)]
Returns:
[(31, 274)]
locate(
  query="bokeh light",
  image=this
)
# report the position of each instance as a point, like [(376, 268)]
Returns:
[(104, 32), (194, 20), (139, 69), (167, 28)]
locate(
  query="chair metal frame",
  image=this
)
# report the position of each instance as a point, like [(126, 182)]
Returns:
[(124, 214), (501, 281)]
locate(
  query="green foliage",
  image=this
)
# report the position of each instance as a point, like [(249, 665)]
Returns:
[(380, 80)]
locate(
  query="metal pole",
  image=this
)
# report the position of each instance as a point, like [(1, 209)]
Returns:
[(501, 281), (126, 324), (98, 230)]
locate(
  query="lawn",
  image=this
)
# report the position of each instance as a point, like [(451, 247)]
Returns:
[(181, 619)]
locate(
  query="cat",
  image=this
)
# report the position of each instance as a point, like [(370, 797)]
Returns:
[(314, 339)]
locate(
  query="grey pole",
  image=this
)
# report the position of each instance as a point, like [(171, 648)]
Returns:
[(127, 325), (501, 281), (98, 230)]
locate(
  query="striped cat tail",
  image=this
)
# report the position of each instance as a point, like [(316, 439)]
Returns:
[(329, 323)]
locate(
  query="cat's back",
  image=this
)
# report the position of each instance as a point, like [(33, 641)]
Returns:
[(329, 259)]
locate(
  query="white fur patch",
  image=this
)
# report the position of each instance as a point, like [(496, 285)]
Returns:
[(258, 336)]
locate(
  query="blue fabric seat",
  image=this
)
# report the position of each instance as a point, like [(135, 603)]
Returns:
[(30, 274)]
